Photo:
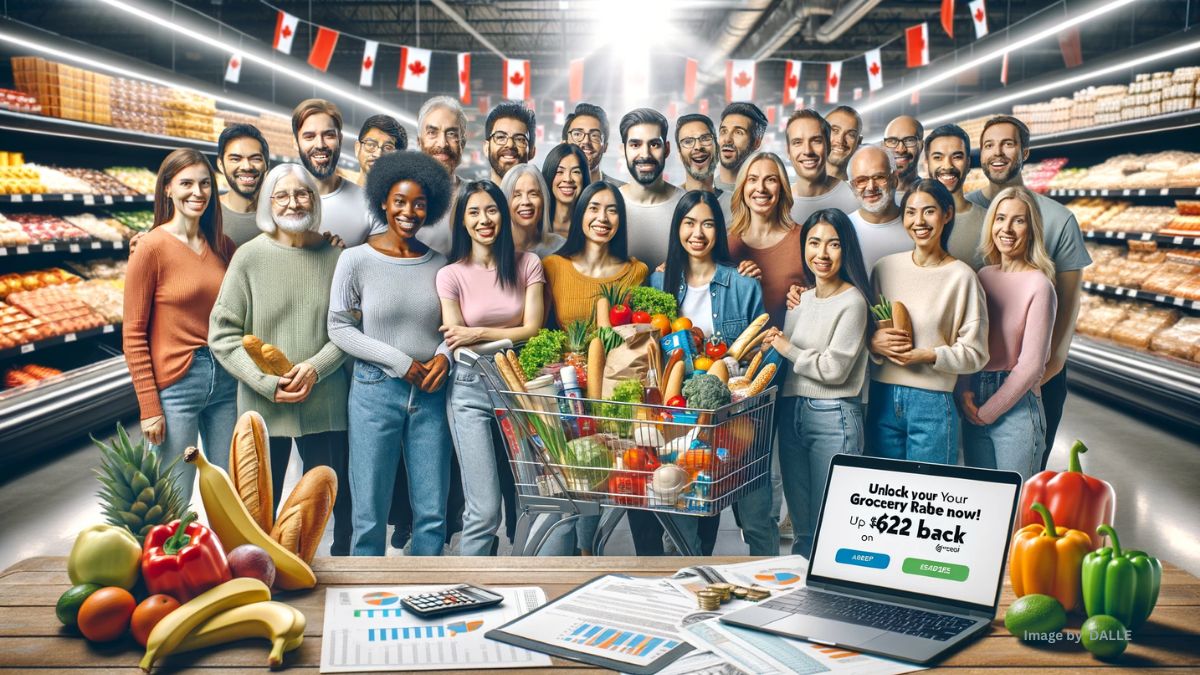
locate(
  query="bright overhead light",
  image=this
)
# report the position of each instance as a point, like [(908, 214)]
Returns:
[(249, 55), (1053, 30)]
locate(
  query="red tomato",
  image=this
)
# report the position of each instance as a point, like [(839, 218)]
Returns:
[(677, 402), (641, 317), (715, 348)]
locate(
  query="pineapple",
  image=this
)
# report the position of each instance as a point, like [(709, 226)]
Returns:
[(579, 334), (137, 492)]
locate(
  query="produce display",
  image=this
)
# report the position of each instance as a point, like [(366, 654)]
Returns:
[(42, 229), (107, 229), (140, 221), (17, 178), (140, 179)]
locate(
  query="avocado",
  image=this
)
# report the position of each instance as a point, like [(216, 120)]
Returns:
[(1032, 616)]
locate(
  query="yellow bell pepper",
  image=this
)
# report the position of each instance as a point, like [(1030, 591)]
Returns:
[(1048, 560)]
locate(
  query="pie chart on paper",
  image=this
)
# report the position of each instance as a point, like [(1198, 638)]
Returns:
[(778, 577), (381, 599)]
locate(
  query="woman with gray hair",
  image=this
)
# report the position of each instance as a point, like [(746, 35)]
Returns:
[(277, 289), (525, 189)]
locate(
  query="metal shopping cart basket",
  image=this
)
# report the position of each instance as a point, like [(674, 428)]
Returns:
[(582, 457)]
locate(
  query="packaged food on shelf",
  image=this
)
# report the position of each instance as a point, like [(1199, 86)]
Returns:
[(104, 297), (140, 179), (12, 234), (18, 327), (1183, 225), (19, 101), (1189, 257), (1142, 324), (108, 229), (140, 221), (31, 373), (1181, 340), (33, 280), (1169, 277), (59, 308), (1098, 316), (101, 183), (1094, 213), (58, 182), (18, 178), (1141, 219), (104, 268), (1189, 289), (44, 228)]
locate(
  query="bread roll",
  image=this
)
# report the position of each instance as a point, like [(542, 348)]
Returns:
[(900, 317), (250, 468), (278, 361), (304, 515), (253, 346)]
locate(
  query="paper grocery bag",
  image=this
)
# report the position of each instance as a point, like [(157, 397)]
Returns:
[(633, 358)]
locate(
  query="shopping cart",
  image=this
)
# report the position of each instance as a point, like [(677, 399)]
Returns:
[(572, 458)]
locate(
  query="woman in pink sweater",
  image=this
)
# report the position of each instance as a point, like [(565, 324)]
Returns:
[(1006, 426)]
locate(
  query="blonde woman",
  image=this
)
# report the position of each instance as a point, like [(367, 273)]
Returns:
[(762, 230), (1006, 424), (525, 189)]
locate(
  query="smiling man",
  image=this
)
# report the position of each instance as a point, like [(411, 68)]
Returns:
[(508, 134), (441, 134), (380, 135), (903, 137), (877, 221), (742, 128), (948, 156), (317, 127), (587, 127), (242, 157), (808, 148), (649, 199), (845, 127), (696, 139)]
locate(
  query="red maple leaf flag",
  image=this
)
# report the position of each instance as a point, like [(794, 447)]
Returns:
[(285, 31), (233, 71), (560, 112), (979, 17), (322, 49), (576, 84), (874, 70), (689, 81), (464, 77), (791, 82), (833, 80), (917, 38), (516, 79), (1071, 48), (739, 80), (367, 76), (948, 17), (770, 115), (414, 69)]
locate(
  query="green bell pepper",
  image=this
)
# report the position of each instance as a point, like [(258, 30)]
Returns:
[(1122, 584), (106, 555)]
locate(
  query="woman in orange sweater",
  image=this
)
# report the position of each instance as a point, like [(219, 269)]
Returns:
[(170, 287)]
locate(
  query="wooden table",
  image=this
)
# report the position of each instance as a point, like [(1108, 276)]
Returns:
[(31, 636)]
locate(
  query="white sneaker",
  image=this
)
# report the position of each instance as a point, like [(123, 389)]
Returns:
[(785, 528)]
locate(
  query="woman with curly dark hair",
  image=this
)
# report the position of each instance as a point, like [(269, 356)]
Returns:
[(384, 311)]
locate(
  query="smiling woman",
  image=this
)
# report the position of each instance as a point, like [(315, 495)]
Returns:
[(565, 172)]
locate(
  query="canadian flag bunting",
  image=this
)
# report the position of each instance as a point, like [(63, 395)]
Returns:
[(791, 82), (576, 77), (1004, 69), (874, 70), (979, 17), (516, 79), (233, 71), (782, 118), (857, 93), (485, 104), (739, 80), (917, 38), (833, 80), (689, 81), (464, 77), (702, 107), (540, 133), (285, 31), (770, 115), (322, 49), (948, 17), (414, 69), (367, 77), (560, 112)]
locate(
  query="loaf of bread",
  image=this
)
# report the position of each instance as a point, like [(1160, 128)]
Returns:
[(302, 519), (277, 360), (253, 346), (250, 468)]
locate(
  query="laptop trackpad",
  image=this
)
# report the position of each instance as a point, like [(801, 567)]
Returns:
[(825, 630)]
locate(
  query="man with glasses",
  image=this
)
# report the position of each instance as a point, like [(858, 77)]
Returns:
[(742, 128), (508, 137), (808, 139), (903, 137), (877, 220), (380, 135), (441, 134), (242, 156), (697, 141), (948, 157), (649, 199), (587, 127), (845, 126), (317, 128)]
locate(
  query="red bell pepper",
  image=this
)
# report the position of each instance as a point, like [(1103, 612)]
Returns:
[(1076, 500), (183, 559)]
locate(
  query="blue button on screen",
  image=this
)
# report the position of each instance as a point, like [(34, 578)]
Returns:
[(849, 556)]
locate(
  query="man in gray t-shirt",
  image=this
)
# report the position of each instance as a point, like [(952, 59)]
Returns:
[(808, 149), (948, 156), (649, 199), (243, 159), (317, 127)]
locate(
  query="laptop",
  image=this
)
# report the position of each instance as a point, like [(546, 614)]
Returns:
[(906, 561)]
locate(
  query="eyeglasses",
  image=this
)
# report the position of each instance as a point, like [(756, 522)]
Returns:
[(578, 135), (302, 197), (861, 182), (908, 141), (690, 142), (452, 135), (373, 146), (501, 138)]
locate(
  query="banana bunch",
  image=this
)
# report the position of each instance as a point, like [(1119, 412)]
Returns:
[(235, 610), (229, 518)]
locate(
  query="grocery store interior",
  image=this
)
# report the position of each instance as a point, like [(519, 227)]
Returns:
[(93, 94)]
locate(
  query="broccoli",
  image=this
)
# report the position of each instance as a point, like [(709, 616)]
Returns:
[(706, 392), (653, 301)]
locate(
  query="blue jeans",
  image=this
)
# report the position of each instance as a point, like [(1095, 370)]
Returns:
[(391, 420), (910, 423), (471, 417), (203, 402), (1015, 441), (811, 432)]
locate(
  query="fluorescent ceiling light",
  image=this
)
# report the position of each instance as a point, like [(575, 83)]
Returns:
[(1054, 29), (248, 55)]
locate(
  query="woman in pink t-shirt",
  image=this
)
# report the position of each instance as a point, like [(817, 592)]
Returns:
[(1006, 425), (489, 292)]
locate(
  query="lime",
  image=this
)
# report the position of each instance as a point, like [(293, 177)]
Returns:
[(1031, 617), (1104, 636), (67, 608)]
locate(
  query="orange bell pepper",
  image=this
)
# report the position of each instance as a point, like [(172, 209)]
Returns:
[(1048, 560)]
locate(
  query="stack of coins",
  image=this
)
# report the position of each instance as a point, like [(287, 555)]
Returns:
[(726, 590), (709, 600), (740, 592), (757, 593), (714, 595)]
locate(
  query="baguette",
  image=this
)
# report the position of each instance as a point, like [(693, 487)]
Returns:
[(510, 378), (738, 349), (674, 382), (754, 364), (304, 515), (595, 369), (676, 357), (901, 319), (754, 344), (280, 365), (762, 381), (602, 318), (250, 468), (253, 346), (719, 370), (515, 362)]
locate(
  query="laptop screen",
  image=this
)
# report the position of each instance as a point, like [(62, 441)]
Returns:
[(920, 531)]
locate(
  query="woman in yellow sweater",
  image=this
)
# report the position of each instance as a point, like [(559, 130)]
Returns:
[(595, 254)]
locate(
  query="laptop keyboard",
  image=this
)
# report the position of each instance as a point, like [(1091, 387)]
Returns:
[(893, 618)]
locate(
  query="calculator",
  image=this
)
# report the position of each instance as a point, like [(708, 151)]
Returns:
[(460, 598)]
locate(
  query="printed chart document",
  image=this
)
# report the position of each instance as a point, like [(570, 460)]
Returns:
[(784, 573), (367, 629), (623, 623)]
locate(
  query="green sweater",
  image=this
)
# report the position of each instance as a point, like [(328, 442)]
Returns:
[(281, 295)]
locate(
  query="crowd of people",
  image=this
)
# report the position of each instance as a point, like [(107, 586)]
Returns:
[(370, 285)]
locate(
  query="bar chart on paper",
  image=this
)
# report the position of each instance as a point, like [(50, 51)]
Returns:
[(618, 640)]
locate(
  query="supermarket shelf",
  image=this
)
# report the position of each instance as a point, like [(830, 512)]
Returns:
[(1146, 125), (63, 247), (1160, 385), (1134, 294), (86, 200), (1127, 193), (49, 412), (1161, 239), (68, 338)]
